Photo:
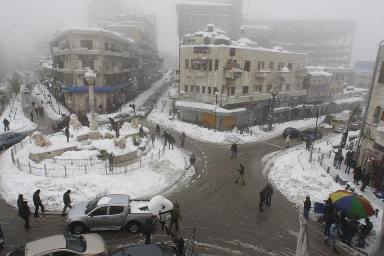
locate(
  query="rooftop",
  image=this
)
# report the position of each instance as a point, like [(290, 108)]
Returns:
[(92, 30)]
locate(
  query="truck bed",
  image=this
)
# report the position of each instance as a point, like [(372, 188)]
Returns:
[(139, 206)]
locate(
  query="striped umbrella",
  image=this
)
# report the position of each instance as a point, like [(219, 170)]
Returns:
[(352, 204)]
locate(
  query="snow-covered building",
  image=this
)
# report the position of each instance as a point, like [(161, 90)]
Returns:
[(116, 59), (193, 15), (239, 74), (372, 146), (317, 82)]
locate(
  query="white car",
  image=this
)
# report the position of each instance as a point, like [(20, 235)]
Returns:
[(142, 111), (63, 245)]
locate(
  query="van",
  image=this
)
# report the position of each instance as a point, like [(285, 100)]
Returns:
[(336, 122)]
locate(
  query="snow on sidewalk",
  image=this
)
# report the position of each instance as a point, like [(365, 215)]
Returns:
[(14, 113)]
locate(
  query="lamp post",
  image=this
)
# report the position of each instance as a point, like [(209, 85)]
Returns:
[(90, 76), (315, 133), (215, 111), (274, 94)]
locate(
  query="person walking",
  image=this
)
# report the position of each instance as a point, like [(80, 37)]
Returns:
[(20, 201), (357, 173), (37, 202), (25, 213), (192, 161), (141, 131), (268, 194), (165, 135), (31, 115), (364, 232), (182, 137), (67, 202), (66, 131), (234, 150), (6, 124), (365, 180), (307, 143), (241, 174), (339, 161), (110, 161), (147, 229), (175, 216), (332, 235), (307, 207), (328, 215), (153, 137), (262, 199), (157, 129), (287, 140), (171, 141)]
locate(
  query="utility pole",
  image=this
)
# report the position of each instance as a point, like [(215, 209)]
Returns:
[(216, 93), (315, 133), (274, 93)]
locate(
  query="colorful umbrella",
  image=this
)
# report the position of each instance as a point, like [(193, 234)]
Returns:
[(352, 204)]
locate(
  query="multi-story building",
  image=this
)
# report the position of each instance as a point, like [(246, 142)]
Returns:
[(361, 75), (371, 156), (117, 61), (317, 82), (192, 15), (326, 42), (214, 69)]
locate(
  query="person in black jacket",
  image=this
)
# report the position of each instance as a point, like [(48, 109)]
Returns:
[(329, 215), (25, 213), (268, 194), (262, 200), (234, 150), (67, 202), (37, 203), (241, 175), (66, 131), (307, 207), (20, 201), (147, 229), (1, 240)]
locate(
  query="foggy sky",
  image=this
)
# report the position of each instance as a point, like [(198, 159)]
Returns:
[(22, 20)]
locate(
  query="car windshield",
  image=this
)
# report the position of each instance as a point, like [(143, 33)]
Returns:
[(75, 243), (18, 252), (92, 205)]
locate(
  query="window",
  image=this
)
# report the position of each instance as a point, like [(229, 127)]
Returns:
[(216, 64), (232, 52), (210, 65), (209, 90), (258, 66), (287, 87), (214, 90), (202, 89), (290, 66), (100, 211), (376, 114), (186, 64), (271, 65), (185, 88), (381, 75), (197, 89), (86, 44), (114, 210), (247, 65), (245, 89), (262, 64), (195, 64), (257, 88), (232, 90), (192, 88), (269, 88)]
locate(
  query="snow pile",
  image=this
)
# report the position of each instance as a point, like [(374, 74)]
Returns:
[(14, 113), (349, 100), (41, 94)]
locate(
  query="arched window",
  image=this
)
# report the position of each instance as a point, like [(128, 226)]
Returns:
[(377, 114)]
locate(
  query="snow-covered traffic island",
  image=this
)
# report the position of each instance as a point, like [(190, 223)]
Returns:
[(130, 164)]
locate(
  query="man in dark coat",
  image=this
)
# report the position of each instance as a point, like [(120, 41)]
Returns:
[(157, 129), (241, 174), (268, 194), (25, 213), (307, 207), (20, 201), (67, 202), (37, 203), (182, 137), (357, 173), (365, 180), (66, 131), (165, 135), (171, 141), (110, 161), (147, 229), (192, 161), (234, 150), (364, 232), (6, 124), (175, 216), (262, 200), (328, 215), (141, 131)]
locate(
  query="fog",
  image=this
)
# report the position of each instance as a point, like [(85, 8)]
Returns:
[(21, 21)]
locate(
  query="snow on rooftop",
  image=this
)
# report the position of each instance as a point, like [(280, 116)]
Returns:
[(205, 3), (85, 30), (349, 100), (318, 73), (208, 107)]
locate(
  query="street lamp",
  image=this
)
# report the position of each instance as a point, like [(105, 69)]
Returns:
[(274, 94), (215, 111), (90, 77), (315, 133)]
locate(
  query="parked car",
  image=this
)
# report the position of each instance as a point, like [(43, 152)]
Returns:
[(149, 249), (339, 129), (123, 117), (64, 121), (109, 212), (310, 133), (142, 111), (64, 245), (354, 126), (10, 138), (293, 132)]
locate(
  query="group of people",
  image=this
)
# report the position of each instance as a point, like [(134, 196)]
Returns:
[(338, 159), (24, 211), (36, 111), (265, 196), (338, 224)]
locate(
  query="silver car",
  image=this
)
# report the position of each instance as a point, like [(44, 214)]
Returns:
[(109, 212)]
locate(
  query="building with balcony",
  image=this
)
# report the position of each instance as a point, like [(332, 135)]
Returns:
[(371, 156), (326, 42), (237, 75), (192, 15), (116, 59)]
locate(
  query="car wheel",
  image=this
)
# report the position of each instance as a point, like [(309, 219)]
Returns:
[(77, 228), (133, 227)]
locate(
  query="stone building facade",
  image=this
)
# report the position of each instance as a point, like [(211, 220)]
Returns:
[(372, 146)]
